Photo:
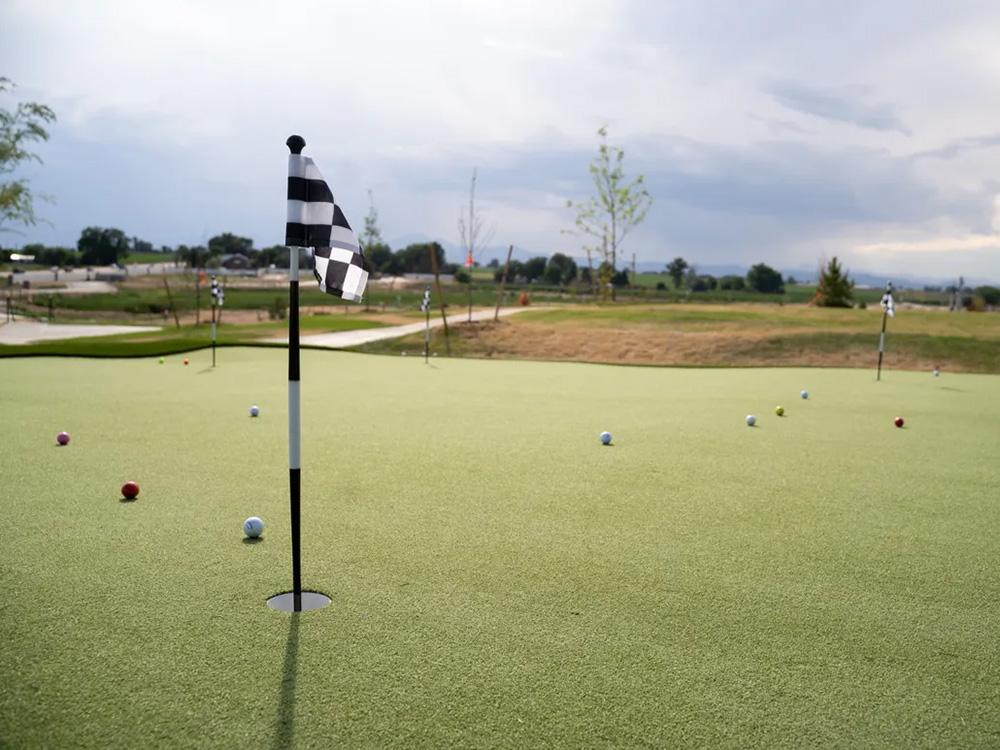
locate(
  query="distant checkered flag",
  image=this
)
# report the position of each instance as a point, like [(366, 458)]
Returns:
[(888, 306), (316, 221), (425, 303), (218, 294)]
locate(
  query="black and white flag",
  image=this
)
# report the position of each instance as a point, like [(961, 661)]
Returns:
[(315, 220), (888, 306), (218, 295), (425, 303)]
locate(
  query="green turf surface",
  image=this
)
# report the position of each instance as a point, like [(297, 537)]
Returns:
[(498, 578)]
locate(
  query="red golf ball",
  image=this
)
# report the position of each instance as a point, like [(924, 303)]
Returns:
[(186, 361), (130, 490), (62, 438), (898, 421)]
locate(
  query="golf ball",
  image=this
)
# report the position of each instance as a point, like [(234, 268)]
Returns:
[(162, 360), (898, 421), (403, 353), (187, 361), (62, 438), (253, 527), (751, 420), (936, 372), (130, 490), (254, 410), (779, 410), (605, 438), (804, 394)]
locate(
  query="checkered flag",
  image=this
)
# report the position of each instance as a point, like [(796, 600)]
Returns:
[(425, 303), (315, 220), (888, 306), (218, 295)]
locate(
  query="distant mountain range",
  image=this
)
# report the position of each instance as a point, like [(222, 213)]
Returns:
[(455, 254)]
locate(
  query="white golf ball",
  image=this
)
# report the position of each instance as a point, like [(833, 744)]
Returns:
[(751, 420), (936, 372), (605, 438), (254, 411), (253, 527), (804, 394), (403, 353)]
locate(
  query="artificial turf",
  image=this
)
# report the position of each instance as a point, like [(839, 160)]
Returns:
[(498, 577)]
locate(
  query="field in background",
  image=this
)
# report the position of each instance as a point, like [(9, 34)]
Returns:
[(728, 335), (822, 579)]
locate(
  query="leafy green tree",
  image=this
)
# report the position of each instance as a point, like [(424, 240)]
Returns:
[(676, 270), (381, 258), (732, 283), (764, 279), (141, 246), (18, 129), (515, 271), (230, 244), (834, 288), (533, 268), (100, 246), (415, 258), (619, 205), (990, 294), (276, 255), (560, 270), (702, 283)]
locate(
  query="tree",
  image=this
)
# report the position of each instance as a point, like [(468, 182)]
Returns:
[(560, 270), (381, 258), (102, 247), (676, 269), (516, 270), (732, 283), (474, 236), (230, 244), (371, 235), (702, 283), (990, 295), (764, 279), (619, 206), (834, 288), (19, 128), (533, 268), (415, 259)]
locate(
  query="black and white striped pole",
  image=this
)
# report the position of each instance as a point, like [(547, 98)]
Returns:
[(886, 312), (295, 600)]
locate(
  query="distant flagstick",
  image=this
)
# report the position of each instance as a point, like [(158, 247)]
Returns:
[(218, 297), (314, 221), (888, 311), (425, 307)]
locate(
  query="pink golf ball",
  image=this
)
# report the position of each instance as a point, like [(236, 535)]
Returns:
[(62, 438)]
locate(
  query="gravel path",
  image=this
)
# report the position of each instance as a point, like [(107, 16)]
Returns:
[(345, 339), (28, 331)]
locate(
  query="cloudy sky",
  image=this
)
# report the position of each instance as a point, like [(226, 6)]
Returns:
[(782, 132)]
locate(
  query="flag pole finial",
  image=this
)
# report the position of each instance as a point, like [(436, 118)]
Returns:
[(295, 143)]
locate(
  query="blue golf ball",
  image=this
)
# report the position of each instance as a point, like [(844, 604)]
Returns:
[(254, 411), (605, 438), (804, 394)]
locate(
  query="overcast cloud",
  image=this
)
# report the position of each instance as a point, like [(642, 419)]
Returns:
[(768, 131)]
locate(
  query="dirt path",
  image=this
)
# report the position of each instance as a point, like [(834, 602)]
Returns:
[(345, 339), (29, 331)]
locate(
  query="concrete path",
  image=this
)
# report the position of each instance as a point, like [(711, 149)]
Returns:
[(345, 339), (29, 331)]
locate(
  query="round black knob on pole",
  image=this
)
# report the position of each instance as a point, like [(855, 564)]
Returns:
[(295, 143)]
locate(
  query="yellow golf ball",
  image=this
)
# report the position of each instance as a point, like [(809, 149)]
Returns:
[(779, 410)]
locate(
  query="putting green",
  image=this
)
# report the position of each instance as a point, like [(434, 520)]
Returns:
[(498, 577)]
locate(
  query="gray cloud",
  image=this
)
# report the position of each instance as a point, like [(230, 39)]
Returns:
[(958, 147), (841, 105)]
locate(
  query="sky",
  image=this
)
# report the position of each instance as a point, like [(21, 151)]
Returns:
[(767, 131)]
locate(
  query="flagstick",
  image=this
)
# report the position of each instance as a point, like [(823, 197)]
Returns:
[(294, 423), (213, 333), (881, 346), (427, 334)]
